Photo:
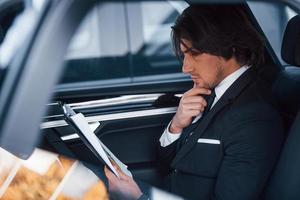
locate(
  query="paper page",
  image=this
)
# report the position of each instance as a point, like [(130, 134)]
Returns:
[(122, 166), (84, 127)]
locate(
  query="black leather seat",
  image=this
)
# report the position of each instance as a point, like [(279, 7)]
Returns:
[(286, 89), (284, 183), (287, 86)]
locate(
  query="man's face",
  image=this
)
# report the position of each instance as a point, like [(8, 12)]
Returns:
[(206, 70)]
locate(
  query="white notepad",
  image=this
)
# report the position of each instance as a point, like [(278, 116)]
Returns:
[(82, 124)]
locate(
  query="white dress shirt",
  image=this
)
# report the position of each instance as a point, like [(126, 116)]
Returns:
[(167, 137)]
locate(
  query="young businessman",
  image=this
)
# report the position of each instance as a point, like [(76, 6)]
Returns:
[(225, 137)]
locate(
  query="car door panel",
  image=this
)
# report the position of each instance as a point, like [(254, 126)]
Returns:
[(130, 127)]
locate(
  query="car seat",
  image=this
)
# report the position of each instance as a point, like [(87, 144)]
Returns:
[(284, 184)]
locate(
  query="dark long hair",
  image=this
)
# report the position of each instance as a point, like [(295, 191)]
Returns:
[(220, 30)]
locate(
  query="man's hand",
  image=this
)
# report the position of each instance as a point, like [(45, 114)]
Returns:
[(191, 104), (122, 188)]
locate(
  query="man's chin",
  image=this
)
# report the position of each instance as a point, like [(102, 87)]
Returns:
[(201, 83)]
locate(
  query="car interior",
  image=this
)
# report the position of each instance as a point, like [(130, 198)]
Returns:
[(132, 117), (125, 136)]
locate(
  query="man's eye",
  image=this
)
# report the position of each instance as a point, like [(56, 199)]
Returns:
[(194, 53)]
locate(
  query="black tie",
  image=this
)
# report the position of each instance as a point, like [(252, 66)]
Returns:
[(190, 129), (209, 100)]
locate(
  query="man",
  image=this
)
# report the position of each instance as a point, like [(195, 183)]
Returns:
[(225, 137)]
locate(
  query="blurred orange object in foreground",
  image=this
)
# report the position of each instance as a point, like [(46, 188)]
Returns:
[(18, 181)]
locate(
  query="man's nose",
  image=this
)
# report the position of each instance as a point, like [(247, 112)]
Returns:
[(186, 66)]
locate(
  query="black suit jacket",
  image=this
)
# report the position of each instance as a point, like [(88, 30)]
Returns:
[(250, 133)]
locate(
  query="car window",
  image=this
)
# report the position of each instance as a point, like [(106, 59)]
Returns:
[(99, 49), (16, 17), (272, 24), (120, 41), (7, 16), (150, 32)]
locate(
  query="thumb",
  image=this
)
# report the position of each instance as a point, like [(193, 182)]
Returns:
[(110, 176), (122, 175)]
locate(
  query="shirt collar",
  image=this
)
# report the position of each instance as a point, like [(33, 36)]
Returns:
[(221, 88)]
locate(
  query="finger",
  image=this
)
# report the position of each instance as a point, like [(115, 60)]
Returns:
[(194, 99), (194, 113), (199, 84), (197, 91), (114, 164), (194, 106), (110, 176), (187, 111), (107, 172), (122, 175)]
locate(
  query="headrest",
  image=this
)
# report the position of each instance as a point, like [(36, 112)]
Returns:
[(290, 50)]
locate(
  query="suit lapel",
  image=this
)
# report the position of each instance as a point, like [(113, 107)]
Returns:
[(232, 92)]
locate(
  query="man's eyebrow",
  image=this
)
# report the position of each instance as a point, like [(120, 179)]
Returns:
[(191, 49)]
